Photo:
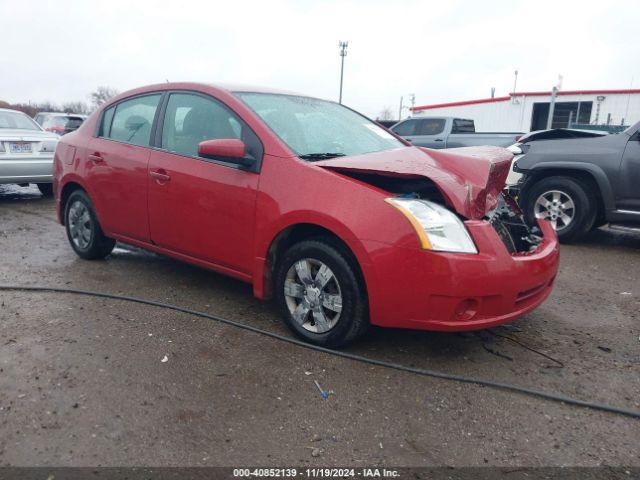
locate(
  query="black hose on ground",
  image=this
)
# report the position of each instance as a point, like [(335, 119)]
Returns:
[(419, 371)]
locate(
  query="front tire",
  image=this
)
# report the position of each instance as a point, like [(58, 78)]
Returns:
[(320, 293), (83, 229), (564, 201)]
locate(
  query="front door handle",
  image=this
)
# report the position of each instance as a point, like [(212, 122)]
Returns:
[(96, 157), (161, 175), (438, 140)]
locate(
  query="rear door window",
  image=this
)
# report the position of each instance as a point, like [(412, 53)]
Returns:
[(463, 126), (133, 119)]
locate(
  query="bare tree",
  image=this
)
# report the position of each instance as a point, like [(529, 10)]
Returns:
[(75, 107), (386, 114), (46, 106), (101, 95)]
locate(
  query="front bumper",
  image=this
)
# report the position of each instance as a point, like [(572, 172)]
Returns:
[(456, 292), (26, 169)]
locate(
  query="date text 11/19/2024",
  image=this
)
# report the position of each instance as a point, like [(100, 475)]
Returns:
[(315, 472)]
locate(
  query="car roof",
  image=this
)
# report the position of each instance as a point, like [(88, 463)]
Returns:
[(12, 110), (220, 87)]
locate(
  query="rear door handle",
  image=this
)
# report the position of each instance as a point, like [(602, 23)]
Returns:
[(161, 175), (439, 140), (96, 157)]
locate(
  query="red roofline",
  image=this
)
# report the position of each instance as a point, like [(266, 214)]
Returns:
[(466, 102), (578, 92), (527, 94)]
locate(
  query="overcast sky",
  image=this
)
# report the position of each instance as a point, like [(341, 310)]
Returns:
[(441, 51)]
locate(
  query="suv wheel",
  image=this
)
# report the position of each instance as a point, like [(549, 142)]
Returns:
[(563, 201), (83, 229), (320, 294)]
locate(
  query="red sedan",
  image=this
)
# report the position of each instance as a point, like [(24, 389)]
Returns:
[(344, 223)]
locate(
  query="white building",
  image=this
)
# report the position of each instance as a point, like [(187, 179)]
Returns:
[(527, 111)]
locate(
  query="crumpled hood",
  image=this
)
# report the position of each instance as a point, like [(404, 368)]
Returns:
[(470, 178)]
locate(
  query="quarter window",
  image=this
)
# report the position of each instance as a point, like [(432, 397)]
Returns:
[(191, 119), (132, 120)]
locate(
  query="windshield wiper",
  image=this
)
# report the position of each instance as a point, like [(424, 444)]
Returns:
[(321, 156)]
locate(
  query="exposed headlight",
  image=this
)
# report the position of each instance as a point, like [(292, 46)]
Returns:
[(437, 228)]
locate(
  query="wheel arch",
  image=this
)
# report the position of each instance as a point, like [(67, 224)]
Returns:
[(294, 233), (592, 176), (66, 191)]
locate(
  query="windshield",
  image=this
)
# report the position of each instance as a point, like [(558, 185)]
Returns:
[(317, 129), (17, 120)]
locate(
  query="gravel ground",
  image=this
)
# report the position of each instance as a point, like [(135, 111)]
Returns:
[(83, 382)]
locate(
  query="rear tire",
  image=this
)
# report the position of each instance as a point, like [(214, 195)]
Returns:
[(339, 304), (566, 202), (46, 189), (83, 229)]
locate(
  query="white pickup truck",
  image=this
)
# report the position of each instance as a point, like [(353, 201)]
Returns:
[(450, 132)]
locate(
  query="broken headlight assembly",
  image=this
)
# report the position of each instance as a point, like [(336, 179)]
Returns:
[(437, 228)]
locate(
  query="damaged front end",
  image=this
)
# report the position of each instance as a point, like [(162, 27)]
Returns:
[(431, 187), (508, 221)]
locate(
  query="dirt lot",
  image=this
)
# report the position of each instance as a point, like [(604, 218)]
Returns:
[(82, 380)]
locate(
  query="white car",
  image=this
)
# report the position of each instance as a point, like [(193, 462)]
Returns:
[(26, 151), (514, 177)]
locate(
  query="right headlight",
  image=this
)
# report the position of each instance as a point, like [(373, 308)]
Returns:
[(437, 228)]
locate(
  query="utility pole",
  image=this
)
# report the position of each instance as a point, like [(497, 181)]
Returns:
[(343, 53), (552, 106), (552, 103), (412, 99)]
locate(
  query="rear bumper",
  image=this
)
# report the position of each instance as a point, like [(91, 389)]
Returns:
[(457, 292), (26, 169)]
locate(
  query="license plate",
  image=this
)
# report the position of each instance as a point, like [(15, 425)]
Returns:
[(22, 147)]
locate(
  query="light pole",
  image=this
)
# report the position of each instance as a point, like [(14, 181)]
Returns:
[(552, 103), (343, 53)]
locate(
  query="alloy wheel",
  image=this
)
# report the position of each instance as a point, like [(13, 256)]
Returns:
[(80, 224), (557, 207), (313, 295)]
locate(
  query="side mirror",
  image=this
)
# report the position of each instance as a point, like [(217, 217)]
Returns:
[(226, 149)]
